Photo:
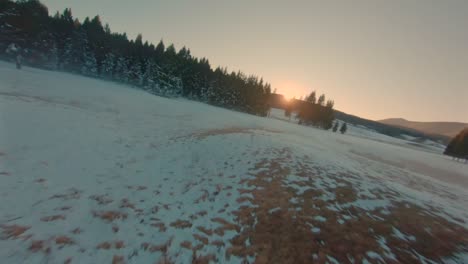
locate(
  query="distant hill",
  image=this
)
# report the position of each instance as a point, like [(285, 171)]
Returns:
[(390, 129), (449, 129), (278, 101)]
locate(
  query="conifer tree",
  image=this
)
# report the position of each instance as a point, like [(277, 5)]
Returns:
[(458, 146), (335, 126), (343, 128), (108, 65), (321, 100)]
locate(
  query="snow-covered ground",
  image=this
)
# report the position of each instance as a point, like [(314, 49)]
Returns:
[(97, 172)]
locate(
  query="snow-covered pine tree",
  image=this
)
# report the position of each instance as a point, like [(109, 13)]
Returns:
[(335, 127), (136, 74), (343, 128), (149, 75), (121, 72), (52, 57), (108, 65), (89, 64)]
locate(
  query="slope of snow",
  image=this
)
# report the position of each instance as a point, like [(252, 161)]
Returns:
[(97, 172)]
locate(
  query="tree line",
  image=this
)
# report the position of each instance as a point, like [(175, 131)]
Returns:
[(313, 110), (458, 146), (62, 42)]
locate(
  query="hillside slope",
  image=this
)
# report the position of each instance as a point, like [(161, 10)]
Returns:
[(96, 172), (449, 129)]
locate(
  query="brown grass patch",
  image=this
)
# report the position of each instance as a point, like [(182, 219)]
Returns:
[(118, 259), (204, 230), (36, 246), (77, 231), (64, 240), (104, 245), (53, 218), (282, 233), (63, 208), (109, 245), (219, 231), (71, 194), (202, 213), (203, 197), (110, 216), (203, 259), (202, 239), (218, 243), (160, 226), (13, 231), (125, 203), (119, 244), (101, 199), (226, 225), (186, 244), (181, 224)]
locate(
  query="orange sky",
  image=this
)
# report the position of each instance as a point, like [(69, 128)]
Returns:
[(375, 59)]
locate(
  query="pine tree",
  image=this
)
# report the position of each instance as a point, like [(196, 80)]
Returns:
[(458, 146), (343, 128), (312, 98), (335, 126), (89, 66), (108, 65), (287, 111), (52, 58), (121, 72), (148, 75), (321, 100)]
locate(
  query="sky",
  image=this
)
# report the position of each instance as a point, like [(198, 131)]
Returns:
[(376, 59)]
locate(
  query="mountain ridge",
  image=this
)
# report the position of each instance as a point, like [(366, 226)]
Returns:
[(445, 128)]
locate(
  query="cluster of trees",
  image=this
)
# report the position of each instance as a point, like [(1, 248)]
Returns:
[(316, 111), (343, 128), (61, 42), (458, 146)]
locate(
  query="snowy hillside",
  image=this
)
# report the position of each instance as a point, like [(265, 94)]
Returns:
[(97, 172)]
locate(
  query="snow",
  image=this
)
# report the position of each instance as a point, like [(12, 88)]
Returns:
[(78, 147)]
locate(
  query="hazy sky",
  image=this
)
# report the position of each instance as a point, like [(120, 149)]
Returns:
[(375, 58)]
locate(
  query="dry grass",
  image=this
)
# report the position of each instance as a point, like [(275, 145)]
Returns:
[(204, 230), (186, 244), (203, 259), (157, 248), (77, 231), (101, 199), (109, 245), (125, 203), (64, 240), (110, 216), (223, 131), (104, 245), (13, 231), (202, 239), (36, 246), (118, 259), (283, 234), (181, 224), (53, 218), (160, 226), (71, 194)]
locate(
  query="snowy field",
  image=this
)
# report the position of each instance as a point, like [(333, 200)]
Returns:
[(97, 172)]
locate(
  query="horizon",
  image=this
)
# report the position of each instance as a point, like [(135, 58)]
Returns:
[(415, 53)]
